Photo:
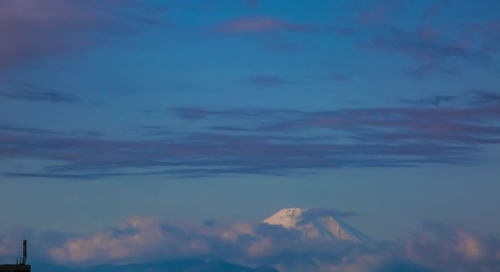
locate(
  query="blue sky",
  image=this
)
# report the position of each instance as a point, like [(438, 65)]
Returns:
[(231, 110)]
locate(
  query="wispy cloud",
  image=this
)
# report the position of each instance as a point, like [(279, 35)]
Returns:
[(25, 91), (436, 100), (38, 96), (434, 46), (34, 28), (259, 24), (276, 142), (273, 25), (32, 130)]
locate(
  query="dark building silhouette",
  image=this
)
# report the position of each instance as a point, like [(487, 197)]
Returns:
[(20, 265)]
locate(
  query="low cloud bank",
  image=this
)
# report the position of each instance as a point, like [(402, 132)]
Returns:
[(438, 247)]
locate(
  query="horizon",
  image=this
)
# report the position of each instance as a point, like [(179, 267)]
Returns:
[(150, 131)]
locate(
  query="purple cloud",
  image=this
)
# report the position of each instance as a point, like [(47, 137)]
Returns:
[(213, 154), (435, 47), (25, 91), (273, 30), (431, 57), (35, 28), (259, 24), (276, 142)]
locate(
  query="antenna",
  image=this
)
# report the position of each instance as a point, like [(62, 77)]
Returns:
[(25, 252)]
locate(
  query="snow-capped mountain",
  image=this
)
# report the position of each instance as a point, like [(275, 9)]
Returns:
[(316, 223)]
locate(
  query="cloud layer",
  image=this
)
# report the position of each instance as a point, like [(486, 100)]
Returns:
[(276, 142), (30, 92), (438, 247), (396, 27), (31, 29), (435, 46)]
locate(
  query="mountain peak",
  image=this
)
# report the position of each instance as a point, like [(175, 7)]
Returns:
[(316, 223), (288, 217)]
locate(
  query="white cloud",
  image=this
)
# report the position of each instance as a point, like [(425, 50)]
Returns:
[(151, 239)]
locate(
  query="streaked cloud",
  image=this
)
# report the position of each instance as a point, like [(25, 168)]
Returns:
[(30, 92), (33, 29), (259, 24), (273, 142), (435, 47), (53, 97), (274, 25), (436, 100)]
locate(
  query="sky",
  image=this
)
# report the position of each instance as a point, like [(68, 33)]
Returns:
[(136, 113)]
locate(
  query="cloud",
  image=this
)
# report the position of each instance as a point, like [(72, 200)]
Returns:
[(201, 113), (7, 127), (436, 100), (213, 154), (39, 28), (477, 98), (53, 97), (438, 247), (25, 91), (434, 46), (431, 57), (452, 248), (485, 99), (271, 142), (272, 25), (137, 239), (259, 24), (274, 32)]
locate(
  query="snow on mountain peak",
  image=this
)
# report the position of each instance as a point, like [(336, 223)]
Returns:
[(316, 223), (288, 217)]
